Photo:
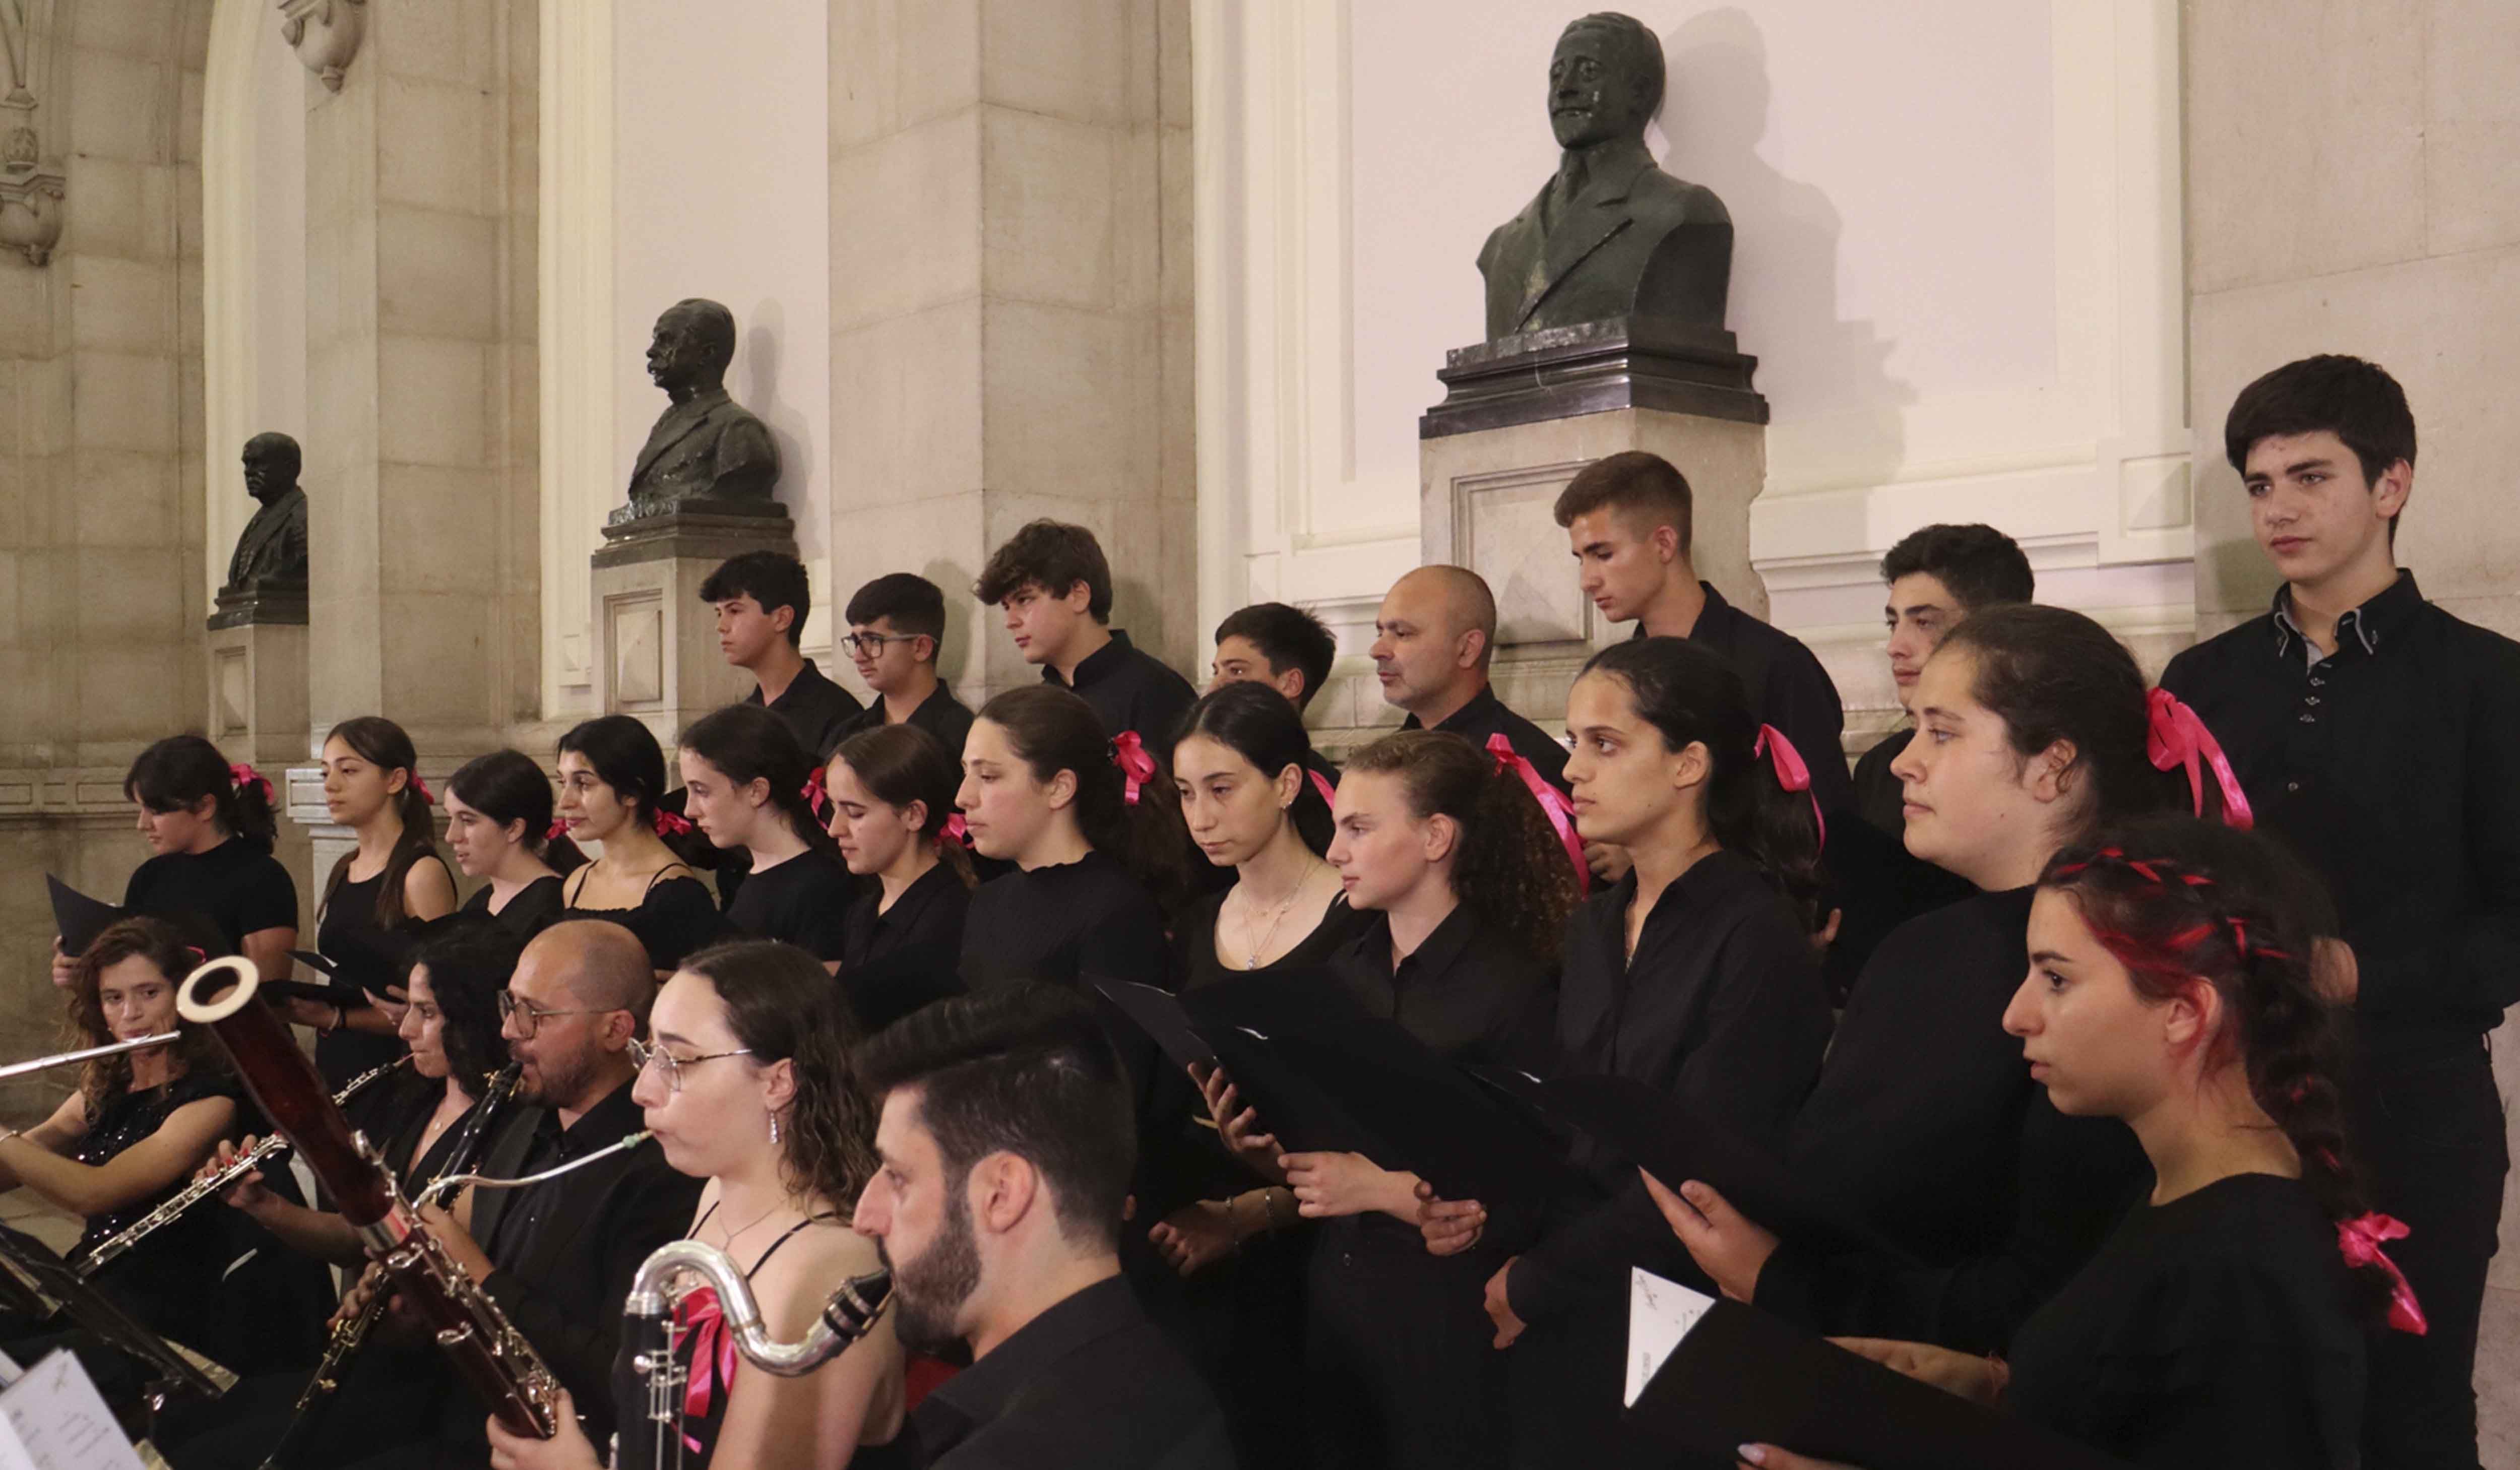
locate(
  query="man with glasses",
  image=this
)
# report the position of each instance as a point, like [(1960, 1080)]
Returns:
[(558, 1257), (896, 631)]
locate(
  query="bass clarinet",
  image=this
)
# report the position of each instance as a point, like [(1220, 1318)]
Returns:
[(488, 1350), (120, 1244)]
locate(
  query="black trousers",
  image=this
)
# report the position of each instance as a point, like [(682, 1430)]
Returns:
[(2427, 1124)]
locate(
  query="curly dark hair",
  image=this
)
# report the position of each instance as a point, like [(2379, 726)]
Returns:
[(782, 1006), (106, 1078), (470, 957), (1509, 868)]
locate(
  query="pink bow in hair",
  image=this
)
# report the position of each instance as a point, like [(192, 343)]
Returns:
[(955, 832), (817, 795), (1321, 787), (244, 775), (2177, 739), (1129, 753), (1791, 772), (672, 825), (422, 786), (2358, 1240), (1552, 801), (558, 829)]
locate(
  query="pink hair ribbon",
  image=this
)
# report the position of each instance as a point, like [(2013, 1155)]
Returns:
[(1791, 772), (817, 795), (672, 825), (1552, 801), (556, 831), (2359, 1240), (2178, 738), (712, 1352), (244, 775), (1321, 787), (421, 787), (955, 832), (1129, 753)]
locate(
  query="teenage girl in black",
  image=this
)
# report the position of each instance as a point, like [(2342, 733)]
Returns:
[(499, 824), (2172, 986), (392, 880), (210, 827), (892, 796), (748, 784), (611, 780)]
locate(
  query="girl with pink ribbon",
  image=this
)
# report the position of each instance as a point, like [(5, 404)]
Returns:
[(612, 793), (750, 786), (209, 826)]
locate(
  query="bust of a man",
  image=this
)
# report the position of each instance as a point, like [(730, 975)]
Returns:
[(271, 554), (707, 452), (1611, 235)]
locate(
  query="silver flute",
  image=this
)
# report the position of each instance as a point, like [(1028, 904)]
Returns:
[(120, 1243)]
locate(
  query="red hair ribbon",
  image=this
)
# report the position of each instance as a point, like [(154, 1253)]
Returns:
[(2359, 1240), (556, 831), (1791, 772), (955, 832), (817, 795), (199, 954), (2178, 738), (712, 1352), (1551, 802), (1137, 768), (672, 825), (1322, 785), (244, 775), (421, 787)]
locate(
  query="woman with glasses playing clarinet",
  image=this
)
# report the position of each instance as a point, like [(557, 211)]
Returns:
[(746, 1082)]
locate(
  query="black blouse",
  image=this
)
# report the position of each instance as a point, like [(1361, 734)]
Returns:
[(804, 901), (1467, 992), (367, 961), (895, 961), (1067, 924), (2218, 1329), (1196, 959), (535, 907), (238, 887), (675, 918)]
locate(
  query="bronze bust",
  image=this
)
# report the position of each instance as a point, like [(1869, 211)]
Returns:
[(707, 452), (267, 576), (1611, 236)]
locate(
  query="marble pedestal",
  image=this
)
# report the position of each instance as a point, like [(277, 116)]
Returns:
[(1521, 416), (259, 715), (657, 655)]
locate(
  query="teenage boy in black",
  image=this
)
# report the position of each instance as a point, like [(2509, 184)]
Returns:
[(1284, 648), (2373, 729), (761, 600), (896, 631), (1055, 587)]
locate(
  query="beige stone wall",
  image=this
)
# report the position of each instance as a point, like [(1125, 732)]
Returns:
[(2351, 187)]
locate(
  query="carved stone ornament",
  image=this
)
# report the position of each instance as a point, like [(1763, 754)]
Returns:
[(30, 192), (326, 46)]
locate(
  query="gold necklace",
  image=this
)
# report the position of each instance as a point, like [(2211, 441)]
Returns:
[(1252, 961)]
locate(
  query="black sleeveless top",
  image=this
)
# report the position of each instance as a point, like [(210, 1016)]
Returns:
[(161, 1280), (367, 959), (675, 918)]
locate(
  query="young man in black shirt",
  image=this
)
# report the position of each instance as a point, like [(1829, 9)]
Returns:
[(762, 598), (1055, 587), (896, 631), (1007, 1147), (1628, 524), (1431, 642), (1284, 648), (2374, 731)]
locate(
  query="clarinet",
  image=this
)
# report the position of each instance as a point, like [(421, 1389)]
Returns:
[(351, 1334), (488, 1350), (116, 1245)]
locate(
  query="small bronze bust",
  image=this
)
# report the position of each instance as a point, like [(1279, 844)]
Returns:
[(1612, 235), (706, 453), (267, 575)]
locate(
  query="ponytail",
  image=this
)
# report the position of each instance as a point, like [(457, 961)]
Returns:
[(506, 785), (746, 743), (1263, 727), (1507, 867), (1054, 730), (382, 744), (179, 771), (901, 765), (2052, 674)]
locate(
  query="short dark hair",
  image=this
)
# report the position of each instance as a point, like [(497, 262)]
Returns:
[(1635, 482), (1288, 637), (1054, 555), (772, 579), (1025, 1070), (1978, 565), (2356, 401), (911, 602)]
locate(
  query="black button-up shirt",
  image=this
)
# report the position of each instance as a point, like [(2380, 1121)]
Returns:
[(940, 714), (818, 710), (1467, 992), (1787, 688), (895, 961), (2391, 765), (1486, 715), (1131, 691), (1090, 1383)]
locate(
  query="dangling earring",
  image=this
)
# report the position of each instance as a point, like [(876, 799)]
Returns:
[(773, 1127)]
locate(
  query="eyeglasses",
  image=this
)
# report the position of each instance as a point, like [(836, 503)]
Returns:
[(529, 1018), (642, 1055), (870, 645)]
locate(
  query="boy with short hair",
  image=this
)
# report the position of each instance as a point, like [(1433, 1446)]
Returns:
[(896, 632), (1936, 576), (1285, 647), (1055, 587), (762, 598)]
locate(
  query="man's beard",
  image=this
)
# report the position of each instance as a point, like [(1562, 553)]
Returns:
[(928, 1292), (558, 1081)]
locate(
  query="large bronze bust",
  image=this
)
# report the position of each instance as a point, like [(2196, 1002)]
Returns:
[(1611, 236), (706, 453), (267, 574)]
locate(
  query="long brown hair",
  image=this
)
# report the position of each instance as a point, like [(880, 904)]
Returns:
[(106, 1078), (1509, 868), (382, 744)]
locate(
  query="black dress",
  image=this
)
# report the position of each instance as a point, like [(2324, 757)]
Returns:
[(895, 961), (1200, 967), (1067, 924), (536, 907), (2218, 1329), (163, 1281), (235, 889), (367, 961), (1396, 1366), (675, 918), (804, 901)]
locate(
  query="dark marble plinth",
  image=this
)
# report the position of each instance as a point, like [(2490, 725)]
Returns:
[(1593, 369), (265, 602), (711, 534)]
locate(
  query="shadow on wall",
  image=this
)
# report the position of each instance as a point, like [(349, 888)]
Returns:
[(1786, 237), (967, 624), (759, 367)]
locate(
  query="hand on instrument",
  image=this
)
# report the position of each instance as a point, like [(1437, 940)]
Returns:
[(355, 1301), (1238, 1127), (1770, 1457), (247, 1190), (1450, 1225), (567, 1450), (1196, 1235), (64, 966), (458, 1241), (1330, 1184), (1608, 860), (1501, 1308), (1727, 1244), (1980, 1380)]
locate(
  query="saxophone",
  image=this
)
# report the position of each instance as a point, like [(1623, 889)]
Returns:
[(488, 1350), (351, 1333), (119, 1244)]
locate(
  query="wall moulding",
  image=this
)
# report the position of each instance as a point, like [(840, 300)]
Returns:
[(325, 34)]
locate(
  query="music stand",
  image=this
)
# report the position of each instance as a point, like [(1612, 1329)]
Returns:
[(32, 1268)]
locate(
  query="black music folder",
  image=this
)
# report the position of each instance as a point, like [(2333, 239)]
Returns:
[(1737, 1376), (78, 918)]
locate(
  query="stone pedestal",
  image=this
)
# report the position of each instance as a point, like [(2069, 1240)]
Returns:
[(258, 709), (1521, 416), (657, 654)]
